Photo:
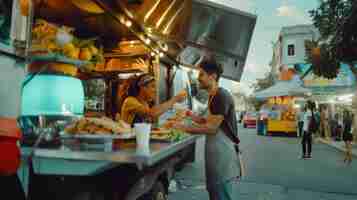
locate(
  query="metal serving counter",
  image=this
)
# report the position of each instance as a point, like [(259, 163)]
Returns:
[(85, 162)]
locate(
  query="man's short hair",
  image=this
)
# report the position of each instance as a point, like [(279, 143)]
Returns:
[(212, 67)]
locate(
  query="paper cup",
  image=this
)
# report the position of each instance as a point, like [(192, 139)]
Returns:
[(142, 132), (108, 144)]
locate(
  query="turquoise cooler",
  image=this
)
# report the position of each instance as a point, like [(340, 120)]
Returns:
[(52, 95)]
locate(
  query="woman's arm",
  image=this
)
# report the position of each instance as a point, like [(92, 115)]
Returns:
[(160, 109)]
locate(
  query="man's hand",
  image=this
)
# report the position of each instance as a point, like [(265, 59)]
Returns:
[(179, 126), (181, 96), (214, 120)]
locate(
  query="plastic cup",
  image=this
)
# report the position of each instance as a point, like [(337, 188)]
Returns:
[(108, 144), (142, 132)]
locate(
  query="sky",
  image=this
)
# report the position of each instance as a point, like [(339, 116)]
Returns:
[(272, 16)]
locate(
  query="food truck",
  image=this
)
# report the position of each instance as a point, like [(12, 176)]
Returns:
[(56, 49)]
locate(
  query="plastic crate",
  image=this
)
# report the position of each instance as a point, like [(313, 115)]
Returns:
[(10, 155)]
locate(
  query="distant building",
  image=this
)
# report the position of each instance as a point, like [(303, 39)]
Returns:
[(289, 63), (289, 49), (292, 42)]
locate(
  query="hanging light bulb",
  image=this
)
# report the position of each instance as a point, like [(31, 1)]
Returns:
[(161, 54), (147, 41), (165, 47), (128, 23), (122, 19), (149, 30), (152, 54)]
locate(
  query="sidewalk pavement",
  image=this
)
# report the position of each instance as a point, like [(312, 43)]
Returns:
[(255, 191), (339, 145)]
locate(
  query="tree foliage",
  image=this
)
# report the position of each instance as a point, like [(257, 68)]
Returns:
[(336, 21), (264, 83)]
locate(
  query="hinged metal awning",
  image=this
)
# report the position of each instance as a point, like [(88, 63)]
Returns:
[(191, 29)]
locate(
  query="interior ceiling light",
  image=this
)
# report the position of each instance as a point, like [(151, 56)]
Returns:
[(149, 30), (122, 19), (165, 47), (161, 54), (128, 23), (152, 54), (147, 41)]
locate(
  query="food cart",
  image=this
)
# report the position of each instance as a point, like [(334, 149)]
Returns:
[(280, 109), (65, 43)]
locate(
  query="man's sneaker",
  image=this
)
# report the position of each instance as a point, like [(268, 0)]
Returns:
[(308, 157)]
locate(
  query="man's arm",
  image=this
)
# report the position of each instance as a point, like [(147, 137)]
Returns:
[(197, 119), (213, 122)]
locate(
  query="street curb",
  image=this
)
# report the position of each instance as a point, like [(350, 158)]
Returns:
[(329, 143)]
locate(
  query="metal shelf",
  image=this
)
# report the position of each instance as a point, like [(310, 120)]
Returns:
[(52, 57), (10, 51)]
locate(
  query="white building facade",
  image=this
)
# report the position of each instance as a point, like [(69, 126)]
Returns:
[(290, 47)]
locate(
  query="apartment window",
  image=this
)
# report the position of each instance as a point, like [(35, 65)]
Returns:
[(291, 50)]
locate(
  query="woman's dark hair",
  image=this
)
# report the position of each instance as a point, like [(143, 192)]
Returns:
[(212, 67), (135, 85), (346, 115), (311, 105)]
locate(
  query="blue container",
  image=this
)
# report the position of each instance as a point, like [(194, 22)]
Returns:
[(260, 127), (51, 95)]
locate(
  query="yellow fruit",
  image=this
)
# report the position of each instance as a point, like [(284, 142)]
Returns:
[(93, 50), (67, 48), (52, 46), (85, 54), (74, 53), (71, 51)]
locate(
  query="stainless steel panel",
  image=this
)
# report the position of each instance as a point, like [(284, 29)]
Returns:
[(62, 161), (222, 32)]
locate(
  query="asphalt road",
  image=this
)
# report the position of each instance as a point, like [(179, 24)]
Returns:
[(275, 171)]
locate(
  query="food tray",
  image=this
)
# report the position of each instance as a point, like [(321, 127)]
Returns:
[(122, 136)]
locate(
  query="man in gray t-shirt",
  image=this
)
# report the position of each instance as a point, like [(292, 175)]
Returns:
[(220, 127)]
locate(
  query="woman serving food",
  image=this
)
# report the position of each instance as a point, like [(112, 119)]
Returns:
[(136, 107)]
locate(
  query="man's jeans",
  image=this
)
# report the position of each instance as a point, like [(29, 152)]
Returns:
[(301, 126), (306, 142)]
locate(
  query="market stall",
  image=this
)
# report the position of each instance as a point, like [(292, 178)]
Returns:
[(67, 151), (281, 108), (71, 153)]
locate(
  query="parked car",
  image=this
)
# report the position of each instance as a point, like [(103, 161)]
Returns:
[(250, 120)]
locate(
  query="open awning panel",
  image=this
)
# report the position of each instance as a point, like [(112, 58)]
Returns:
[(222, 31), (192, 29)]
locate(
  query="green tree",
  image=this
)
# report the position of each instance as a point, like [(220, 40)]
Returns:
[(336, 21), (260, 85), (264, 83)]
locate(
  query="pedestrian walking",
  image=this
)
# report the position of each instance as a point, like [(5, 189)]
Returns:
[(324, 124), (220, 127), (347, 135), (300, 119), (310, 127)]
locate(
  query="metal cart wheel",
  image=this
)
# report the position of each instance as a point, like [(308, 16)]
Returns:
[(88, 196), (158, 192)]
